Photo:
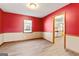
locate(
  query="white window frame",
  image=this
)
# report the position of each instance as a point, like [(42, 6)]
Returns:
[(27, 23)]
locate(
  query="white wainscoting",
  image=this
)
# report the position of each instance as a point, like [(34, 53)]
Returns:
[(72, 43), (48, 36), (1, 39), (7, 37), (21, 36)]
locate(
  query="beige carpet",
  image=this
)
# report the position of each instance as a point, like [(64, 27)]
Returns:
[(37, 47)]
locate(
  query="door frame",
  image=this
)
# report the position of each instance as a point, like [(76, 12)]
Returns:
[(54, 40)]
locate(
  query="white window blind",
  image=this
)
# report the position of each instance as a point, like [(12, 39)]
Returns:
[(27, 25)]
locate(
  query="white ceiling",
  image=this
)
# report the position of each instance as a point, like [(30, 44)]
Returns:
[(21, 8)]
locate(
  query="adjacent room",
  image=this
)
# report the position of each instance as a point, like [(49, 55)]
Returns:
[(39, 29)]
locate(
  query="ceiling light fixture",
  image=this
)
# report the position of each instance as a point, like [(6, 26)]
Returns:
[(32, 5)]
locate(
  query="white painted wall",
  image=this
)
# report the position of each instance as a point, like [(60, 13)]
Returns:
[(48, 36), (72, 43), (7, 37), (21, 36), (1, 39)]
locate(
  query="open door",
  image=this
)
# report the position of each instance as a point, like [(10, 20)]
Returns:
[(59, 28)]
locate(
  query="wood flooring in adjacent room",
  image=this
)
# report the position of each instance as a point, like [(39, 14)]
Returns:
[(37, 47)]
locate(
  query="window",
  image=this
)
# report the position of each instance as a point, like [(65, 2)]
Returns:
[(27, 25)]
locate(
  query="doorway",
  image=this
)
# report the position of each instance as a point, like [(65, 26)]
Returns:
[(59, 29)]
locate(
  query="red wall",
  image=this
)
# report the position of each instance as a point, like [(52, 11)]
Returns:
[(1, 20), (72, 19), (14, 22)]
